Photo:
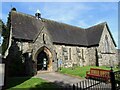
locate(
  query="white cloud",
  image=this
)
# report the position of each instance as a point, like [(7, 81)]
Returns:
[(82, 24), (100, 21), (65, 13)]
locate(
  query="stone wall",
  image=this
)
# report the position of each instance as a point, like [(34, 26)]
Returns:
[(74, 55), (83, 56), (91, 56), (68, 56), (118, 54), (25, 46), (32, 49), (44, 40), (107, 57)]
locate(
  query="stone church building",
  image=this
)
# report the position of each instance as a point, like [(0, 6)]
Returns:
[(47, 45)]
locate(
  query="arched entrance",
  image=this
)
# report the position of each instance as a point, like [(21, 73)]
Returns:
[(44, 59)]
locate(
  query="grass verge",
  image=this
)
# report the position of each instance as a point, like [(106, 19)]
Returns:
[(26, 83), (81, 71)]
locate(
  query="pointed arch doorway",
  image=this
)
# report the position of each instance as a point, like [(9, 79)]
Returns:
[(44, 59)]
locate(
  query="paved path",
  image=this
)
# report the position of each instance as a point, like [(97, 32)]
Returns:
[(58, 78), (64, 80)]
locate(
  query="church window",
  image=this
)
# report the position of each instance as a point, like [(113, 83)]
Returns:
[(66, 58), (78, 52), (65, 53), (70, 53), (106, 44), (44, 38), (83, 55)]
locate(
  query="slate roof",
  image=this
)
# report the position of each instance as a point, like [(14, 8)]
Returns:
[(27, 27), (66, 34), (94, 34)]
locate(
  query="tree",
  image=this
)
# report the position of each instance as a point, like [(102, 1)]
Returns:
[(5, 34), (2, 27), (14, 64), (1, 24)]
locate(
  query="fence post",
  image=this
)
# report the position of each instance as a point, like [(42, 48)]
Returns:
[(73, 87), (112, 79)]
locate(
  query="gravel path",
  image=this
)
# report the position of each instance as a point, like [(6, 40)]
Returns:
[(63, 80)]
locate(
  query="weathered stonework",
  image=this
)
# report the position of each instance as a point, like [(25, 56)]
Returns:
[(70, 48), (107, 58), (80, 56), (39, 43), (69, 55)]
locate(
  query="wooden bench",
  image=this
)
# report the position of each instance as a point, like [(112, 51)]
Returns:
[(98, 74)]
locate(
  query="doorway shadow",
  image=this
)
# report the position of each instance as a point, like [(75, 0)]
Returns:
[(42, 61)]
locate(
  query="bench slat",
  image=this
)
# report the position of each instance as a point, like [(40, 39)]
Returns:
[(99, 73)]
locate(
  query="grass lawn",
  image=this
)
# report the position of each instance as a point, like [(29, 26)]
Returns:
[(81, 71), (26, 83)]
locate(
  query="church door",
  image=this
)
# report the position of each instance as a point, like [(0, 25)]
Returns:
[(42, 61)]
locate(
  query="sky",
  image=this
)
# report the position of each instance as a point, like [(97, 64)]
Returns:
[(81, 14)]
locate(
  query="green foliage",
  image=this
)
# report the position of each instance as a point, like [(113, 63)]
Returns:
[(81, 71), (14, 61), (2, 26), (5, 34)]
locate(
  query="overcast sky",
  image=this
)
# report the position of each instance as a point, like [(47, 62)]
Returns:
[(78, 14)]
